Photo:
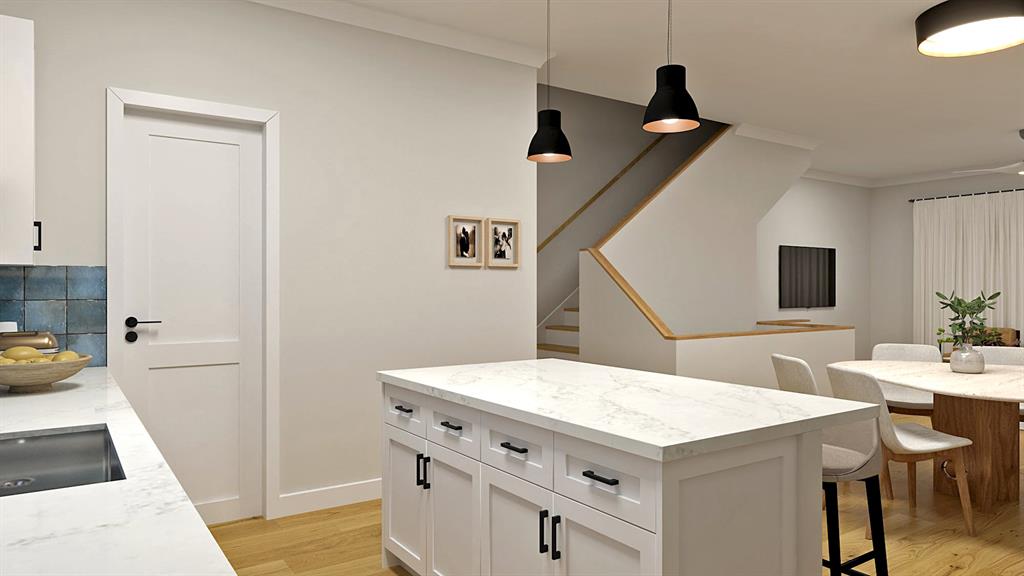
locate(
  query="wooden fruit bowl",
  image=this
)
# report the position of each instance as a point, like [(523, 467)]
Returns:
[(39, 377)]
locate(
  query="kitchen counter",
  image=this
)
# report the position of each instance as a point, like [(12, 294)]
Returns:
[(656, 416), (144, 524)]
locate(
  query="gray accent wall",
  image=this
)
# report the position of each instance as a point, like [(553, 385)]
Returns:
[(605, 135)]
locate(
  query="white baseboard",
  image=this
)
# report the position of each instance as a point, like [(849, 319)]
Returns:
[(326, 497)]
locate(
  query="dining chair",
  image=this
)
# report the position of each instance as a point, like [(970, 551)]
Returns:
[(900, 399), (1006, 355), (908, 442)]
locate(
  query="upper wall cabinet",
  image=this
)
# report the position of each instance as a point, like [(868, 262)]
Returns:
[(17, 140)]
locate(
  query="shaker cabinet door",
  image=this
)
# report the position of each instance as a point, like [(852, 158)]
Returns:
[(516, 518), (453, 525), (404, 512), (592, 543)]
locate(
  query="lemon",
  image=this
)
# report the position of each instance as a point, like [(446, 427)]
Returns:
[(5, 361), (22, 353), (40, 360), (65, 356), (22, 361)]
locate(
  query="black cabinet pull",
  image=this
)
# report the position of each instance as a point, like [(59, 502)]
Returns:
[(516, 449), (419, 479), (555, 521), (451, 426), (426, 483), (38, 246), (609, 481), (543, 545), (403, 409)]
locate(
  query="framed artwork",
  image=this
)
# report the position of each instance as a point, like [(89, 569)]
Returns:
[(502, 243), (465, 242)]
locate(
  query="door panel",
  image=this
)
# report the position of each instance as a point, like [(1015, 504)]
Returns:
[(191, 224), (593, 543), (453, 530), (511, 516), (405, 502)]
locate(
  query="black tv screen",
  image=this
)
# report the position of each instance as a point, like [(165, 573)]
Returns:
[(807, 277)]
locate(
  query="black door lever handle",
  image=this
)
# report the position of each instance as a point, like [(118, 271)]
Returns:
[(132, 322)]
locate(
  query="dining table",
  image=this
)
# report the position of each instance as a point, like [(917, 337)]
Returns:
[(984, 407)]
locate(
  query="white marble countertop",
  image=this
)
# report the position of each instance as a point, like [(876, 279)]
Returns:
[(142, 525), (652, 415), (998, 382)]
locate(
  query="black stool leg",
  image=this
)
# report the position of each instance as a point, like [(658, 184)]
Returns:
[(877, 527), (832, 526)]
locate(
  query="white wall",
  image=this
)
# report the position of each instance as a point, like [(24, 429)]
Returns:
[(892, 248), (381, 139), (829, 215), (692, 252)]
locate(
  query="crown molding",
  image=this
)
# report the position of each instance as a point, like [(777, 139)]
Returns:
[(776, 136), (838, 178), (918, 178), (363, 17)]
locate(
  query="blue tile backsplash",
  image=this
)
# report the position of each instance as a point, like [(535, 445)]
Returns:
[(70, 301)]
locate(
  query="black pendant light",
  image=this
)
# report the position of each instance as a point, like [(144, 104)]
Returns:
[(969, 27), (671, 109), (549, 143)]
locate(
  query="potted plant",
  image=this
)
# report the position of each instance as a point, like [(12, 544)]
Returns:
[(966, 329)]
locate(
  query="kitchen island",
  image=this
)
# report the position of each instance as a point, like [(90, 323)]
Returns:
[(555, 467), (143, 524)]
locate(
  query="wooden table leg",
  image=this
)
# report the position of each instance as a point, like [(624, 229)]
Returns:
[(993, 461)]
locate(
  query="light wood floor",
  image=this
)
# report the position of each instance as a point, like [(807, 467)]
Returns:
[(929, 541)]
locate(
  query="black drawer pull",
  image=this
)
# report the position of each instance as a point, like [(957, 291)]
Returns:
[(609, 481), (555, 521), (451, 426), (543, 545), (419, 478), (426, 483), (403, 409), (516, 449)]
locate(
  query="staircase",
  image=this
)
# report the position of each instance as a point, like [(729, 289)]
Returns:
[(561, 335)]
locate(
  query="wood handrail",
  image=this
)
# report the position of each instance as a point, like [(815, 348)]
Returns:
[(599, 193), (664, 184), (796, 326)]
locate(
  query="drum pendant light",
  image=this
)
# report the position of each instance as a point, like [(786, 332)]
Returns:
[(671, 109), (549, 143), (969, 27)]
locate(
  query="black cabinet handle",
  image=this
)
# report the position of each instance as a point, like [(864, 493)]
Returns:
[(419, 461), (555, 521), (132, 322), (426, 483), (516, 449), (609, 481), (403, 409), (543, 545), (451, 426)]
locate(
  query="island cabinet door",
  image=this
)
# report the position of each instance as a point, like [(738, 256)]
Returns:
[(405, 497), (589, 542), (516, 517), (453, 525)]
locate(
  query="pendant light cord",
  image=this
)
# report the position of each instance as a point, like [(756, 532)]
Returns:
[(548, 54), (668, 49)]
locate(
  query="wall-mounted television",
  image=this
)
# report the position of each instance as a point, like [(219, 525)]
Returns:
[(807, 277)]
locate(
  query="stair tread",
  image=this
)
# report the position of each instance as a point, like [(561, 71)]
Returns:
[(572, 309), (563, 328), (559, 348)]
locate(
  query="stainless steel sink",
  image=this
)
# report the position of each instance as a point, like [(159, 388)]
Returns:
[(38, 460)]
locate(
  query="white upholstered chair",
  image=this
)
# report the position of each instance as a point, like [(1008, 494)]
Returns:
[(849, 453), (901, 399), (907, 442), (1007, 355)]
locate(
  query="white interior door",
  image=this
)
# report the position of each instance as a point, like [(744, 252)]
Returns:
[(191, 236)]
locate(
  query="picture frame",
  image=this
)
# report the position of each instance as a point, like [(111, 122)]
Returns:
[(502, 243), (465, 241)]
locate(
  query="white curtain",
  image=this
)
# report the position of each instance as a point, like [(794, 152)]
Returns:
[(968, 244)]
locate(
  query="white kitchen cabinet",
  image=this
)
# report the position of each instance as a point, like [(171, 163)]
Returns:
[(590, 542), (453, 524), (405, 498), (516, 526), (17, 141)]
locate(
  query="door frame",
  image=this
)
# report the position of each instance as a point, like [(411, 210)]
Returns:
[(268, 410)]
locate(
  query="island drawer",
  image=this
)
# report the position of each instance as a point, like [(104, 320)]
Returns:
[(520, 449), (621, 484), (406, 409), (454, 426)]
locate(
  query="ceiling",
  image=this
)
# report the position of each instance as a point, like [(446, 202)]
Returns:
[(844, 72)]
